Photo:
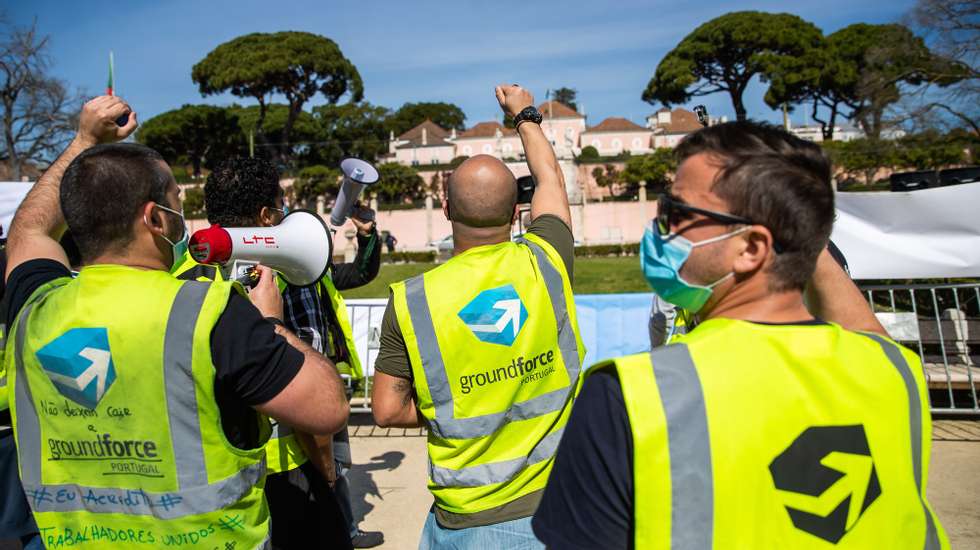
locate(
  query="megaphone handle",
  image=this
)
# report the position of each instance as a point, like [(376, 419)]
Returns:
[(248, 279)]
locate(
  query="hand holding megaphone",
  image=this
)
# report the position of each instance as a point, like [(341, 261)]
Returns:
[(357, 175), (299, 248), (265, 295)]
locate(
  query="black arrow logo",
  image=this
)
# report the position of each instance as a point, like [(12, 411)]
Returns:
[(827, 478)]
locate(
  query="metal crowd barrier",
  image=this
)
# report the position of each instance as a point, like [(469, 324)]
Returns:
[(941, 322)]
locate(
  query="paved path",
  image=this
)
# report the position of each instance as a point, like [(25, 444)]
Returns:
[(389, 482), (389, 493)]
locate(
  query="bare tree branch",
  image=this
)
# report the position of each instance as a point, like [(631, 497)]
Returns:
[(37, 112)]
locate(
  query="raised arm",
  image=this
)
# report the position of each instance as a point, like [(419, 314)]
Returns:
[(549, 195), (832, 296), (39, 223)]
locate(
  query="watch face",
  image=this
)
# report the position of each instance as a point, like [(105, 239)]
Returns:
[(530, 114)]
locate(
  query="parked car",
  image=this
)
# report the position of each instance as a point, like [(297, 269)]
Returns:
[(443, 245)]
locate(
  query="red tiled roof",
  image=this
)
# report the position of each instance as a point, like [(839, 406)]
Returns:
[(487, 129), (617, 124), (554, 109), (435, 135), (682, 121)]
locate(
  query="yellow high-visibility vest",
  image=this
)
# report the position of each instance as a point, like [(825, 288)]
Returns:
[(494, 348), (283, 450), (766, 436), (118, 433)]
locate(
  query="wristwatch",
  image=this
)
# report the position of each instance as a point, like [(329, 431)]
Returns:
[(528, 114)]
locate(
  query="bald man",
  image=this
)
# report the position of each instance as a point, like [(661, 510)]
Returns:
[(484, 350)]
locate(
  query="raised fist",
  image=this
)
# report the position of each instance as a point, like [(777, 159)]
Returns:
[(97, 121), (513, 99)]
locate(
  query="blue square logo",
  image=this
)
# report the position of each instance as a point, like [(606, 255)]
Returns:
[(79, 365), (495, 316)]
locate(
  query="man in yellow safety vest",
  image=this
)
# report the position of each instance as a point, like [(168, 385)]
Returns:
[(138, 400), (245, 192), (484, 350), (766, 426)]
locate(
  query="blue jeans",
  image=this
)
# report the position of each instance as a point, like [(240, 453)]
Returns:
[(509, 535)]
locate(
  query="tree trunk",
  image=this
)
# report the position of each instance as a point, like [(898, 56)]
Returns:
[(828, 133), (295, 106), (740, 113), (816, 116), (259, 133)]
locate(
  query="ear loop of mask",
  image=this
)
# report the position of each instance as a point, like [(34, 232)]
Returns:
[(147, 223), (449, 204)]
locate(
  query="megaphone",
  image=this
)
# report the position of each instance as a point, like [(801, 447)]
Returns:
[(357, 175), (299, 248)]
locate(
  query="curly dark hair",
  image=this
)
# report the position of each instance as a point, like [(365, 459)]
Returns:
[(237, 190)]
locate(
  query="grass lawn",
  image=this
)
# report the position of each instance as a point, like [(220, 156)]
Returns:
[(592, 276)]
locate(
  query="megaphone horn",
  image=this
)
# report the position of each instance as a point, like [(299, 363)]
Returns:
[(357, 175), (299, 248)]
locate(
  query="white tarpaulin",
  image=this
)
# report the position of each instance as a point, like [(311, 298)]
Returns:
[(933, 233), (11, 195)]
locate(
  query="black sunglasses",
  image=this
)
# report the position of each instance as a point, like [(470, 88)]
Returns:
[(671, 211)]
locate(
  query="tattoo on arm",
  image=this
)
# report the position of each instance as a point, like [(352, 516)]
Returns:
[(405, 389)]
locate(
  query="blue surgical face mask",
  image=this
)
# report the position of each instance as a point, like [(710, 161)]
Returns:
[(179, 247), (661, 258)]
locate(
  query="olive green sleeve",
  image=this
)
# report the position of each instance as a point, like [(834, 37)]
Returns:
[(393, 354), (555, 232)]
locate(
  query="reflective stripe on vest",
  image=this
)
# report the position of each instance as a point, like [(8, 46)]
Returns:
[(444, 424), (4, 397), (283, 452), (196, 495), (915, 429), (691, 491), (496, 472), (689, 447)]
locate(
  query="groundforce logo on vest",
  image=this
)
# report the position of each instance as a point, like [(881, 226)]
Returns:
[(526, 370), (135, 457)]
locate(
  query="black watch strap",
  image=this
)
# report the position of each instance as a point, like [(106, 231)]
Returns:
[(528, 114)]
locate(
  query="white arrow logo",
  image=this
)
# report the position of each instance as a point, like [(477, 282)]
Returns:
[(512, 315), (98, 370)]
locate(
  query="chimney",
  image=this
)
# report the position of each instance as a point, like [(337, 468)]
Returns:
[(452, 134), (391, 135), (425, 136)]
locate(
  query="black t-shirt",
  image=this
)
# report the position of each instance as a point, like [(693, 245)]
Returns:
[(588, 502), (252, 363)]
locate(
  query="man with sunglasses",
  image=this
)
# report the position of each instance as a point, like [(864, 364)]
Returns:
[(787, 418)]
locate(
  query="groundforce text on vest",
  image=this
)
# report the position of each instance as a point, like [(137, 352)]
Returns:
[(518, 368)]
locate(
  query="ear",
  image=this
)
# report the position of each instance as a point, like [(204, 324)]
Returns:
[(445, 208), (517, 213), (266, 217), (153, 219), (756, 250)]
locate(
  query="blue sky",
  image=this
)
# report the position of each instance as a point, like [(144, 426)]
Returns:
[(412, 50)]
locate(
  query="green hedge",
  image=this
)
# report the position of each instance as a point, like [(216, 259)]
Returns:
[(409, 257), (597, 250)]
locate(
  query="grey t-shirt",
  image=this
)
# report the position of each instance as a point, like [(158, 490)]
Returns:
[(393, 360)]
